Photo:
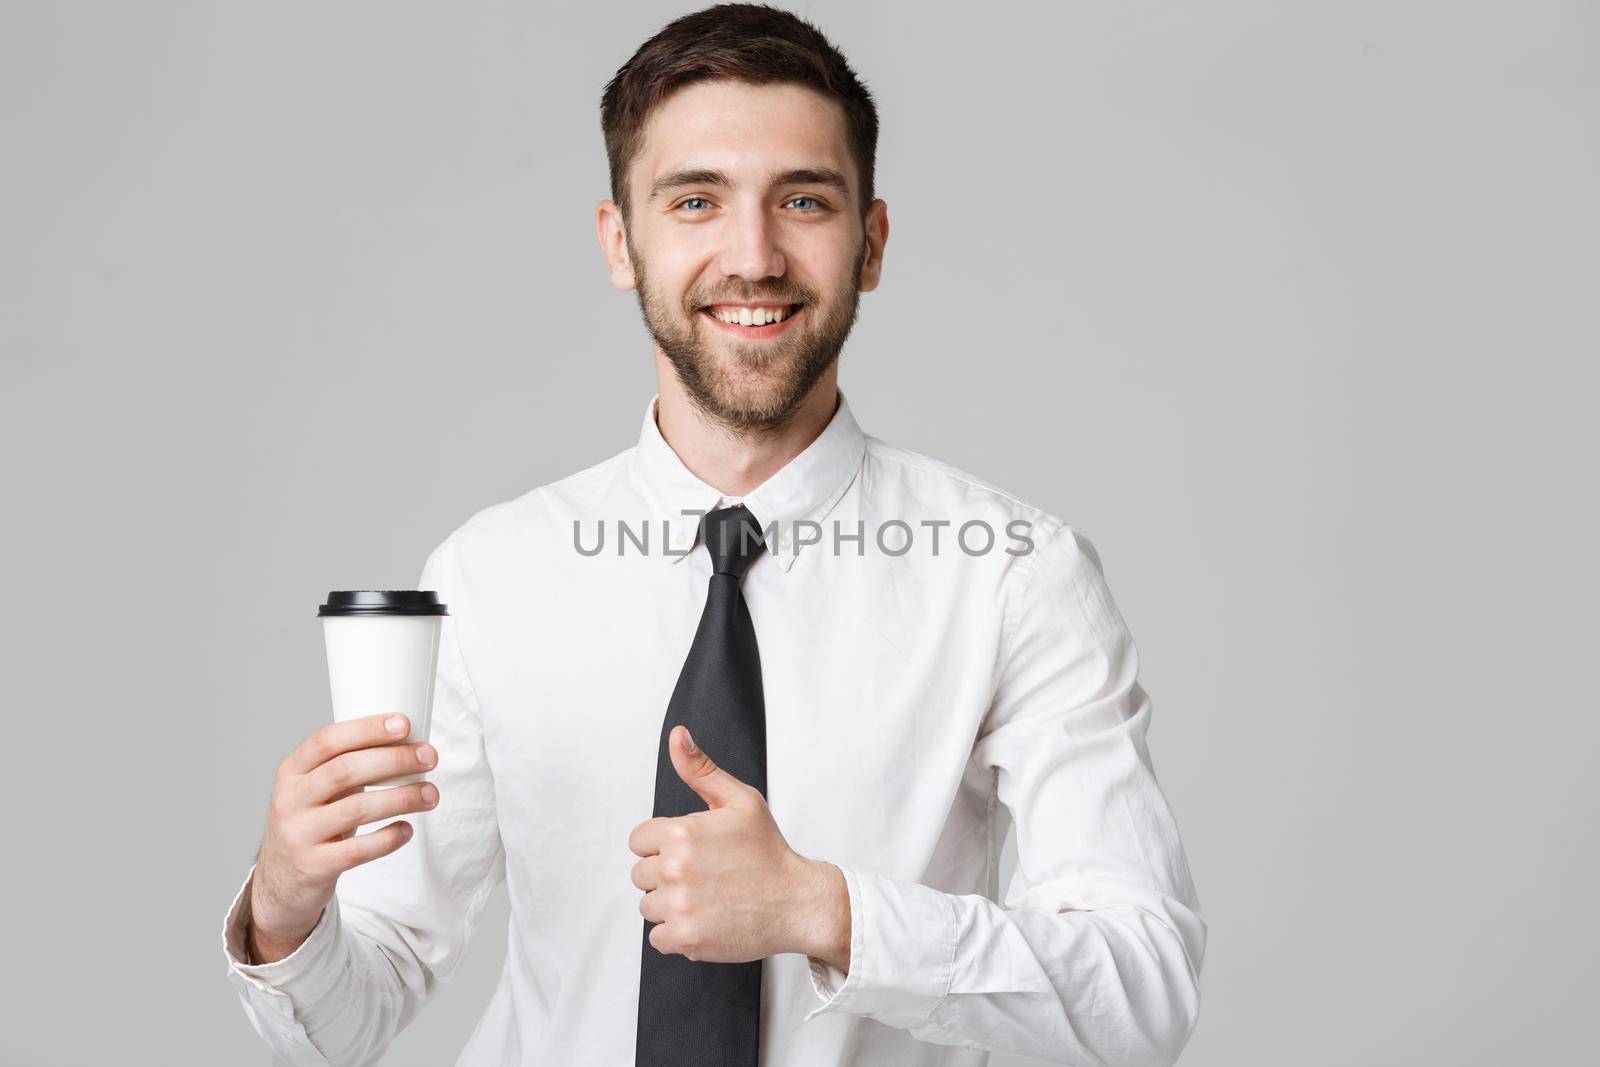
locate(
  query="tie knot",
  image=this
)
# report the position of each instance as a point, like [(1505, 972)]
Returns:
[(733, 537)]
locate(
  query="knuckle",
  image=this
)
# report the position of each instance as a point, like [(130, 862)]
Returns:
[(318, 749), (386, 803), (358, 809), (688, 939), (678, 900), (345, 855), (359, 849), (673, 870), (341, 775)]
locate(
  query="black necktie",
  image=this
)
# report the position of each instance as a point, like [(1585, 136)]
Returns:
[(695, 1013)]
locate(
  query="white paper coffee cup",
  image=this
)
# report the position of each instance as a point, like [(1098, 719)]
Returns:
[(383, 654)]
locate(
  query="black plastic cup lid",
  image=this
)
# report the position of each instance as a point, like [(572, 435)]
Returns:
[(383, 602)]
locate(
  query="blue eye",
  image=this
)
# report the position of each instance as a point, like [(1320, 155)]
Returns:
[(816, 205)]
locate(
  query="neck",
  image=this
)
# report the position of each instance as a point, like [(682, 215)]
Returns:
[(732, 460)]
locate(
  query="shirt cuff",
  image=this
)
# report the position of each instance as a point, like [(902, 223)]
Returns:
[(902, 952), (308, 973)]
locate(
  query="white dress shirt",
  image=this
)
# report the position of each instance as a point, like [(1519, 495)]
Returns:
[(918, 693)]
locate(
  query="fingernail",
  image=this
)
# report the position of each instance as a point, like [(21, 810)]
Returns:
[(688, 739), (425, 755), (396, 724)]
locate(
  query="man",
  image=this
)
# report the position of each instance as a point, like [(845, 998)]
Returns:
[(863, 656)]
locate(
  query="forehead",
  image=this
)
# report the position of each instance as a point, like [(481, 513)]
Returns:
[(746, 130)]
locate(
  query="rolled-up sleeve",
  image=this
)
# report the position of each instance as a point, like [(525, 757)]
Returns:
[(399, 925), (1095, 956)]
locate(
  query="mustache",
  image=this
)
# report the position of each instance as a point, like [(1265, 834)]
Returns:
[(799, 297)]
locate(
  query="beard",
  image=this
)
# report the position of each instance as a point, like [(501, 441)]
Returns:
[(751, 386)]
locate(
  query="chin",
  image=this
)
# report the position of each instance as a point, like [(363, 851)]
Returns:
[(751, 392), (751, 396)]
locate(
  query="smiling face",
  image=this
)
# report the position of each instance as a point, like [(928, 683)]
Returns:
[(744, 208)]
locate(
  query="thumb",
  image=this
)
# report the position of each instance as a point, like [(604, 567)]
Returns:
[(716, 787)]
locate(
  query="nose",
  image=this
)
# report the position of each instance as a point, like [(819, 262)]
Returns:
[(751, 250)]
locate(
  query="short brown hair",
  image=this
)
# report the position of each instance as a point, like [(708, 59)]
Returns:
[(754, 43)]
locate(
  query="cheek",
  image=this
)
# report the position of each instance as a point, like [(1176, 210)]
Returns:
[(673, 267), (825, 262)]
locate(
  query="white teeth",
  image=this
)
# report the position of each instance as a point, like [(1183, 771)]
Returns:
[(752, 316)]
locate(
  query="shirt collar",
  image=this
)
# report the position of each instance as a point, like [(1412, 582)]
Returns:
[(805, 489)]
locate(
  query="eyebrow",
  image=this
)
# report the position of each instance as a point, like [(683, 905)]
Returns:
[(706, 176)]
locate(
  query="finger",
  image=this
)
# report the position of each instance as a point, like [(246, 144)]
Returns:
[(340, 796), (341, 818), (648, 837), (646, 873), (363, 767), (663, 940), (650, 907), (362, 848), (340, 737), (699, 772)]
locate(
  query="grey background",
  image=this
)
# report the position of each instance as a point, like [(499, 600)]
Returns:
[(1288, 306)]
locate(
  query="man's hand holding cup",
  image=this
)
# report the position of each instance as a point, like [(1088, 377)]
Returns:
[(319, 798), (383, 648)]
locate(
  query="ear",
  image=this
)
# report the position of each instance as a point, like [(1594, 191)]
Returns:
[(608, 227), (877, 227)]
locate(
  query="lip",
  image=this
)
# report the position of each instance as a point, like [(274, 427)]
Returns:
[(755, 333)]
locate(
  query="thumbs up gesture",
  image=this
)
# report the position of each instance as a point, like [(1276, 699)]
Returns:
[(723, 886)]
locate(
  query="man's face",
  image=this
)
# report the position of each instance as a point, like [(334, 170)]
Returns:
[(746, 198)]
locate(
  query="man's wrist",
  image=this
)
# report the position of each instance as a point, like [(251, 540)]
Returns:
[(260, 950), (248, 940), (826, 936)]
